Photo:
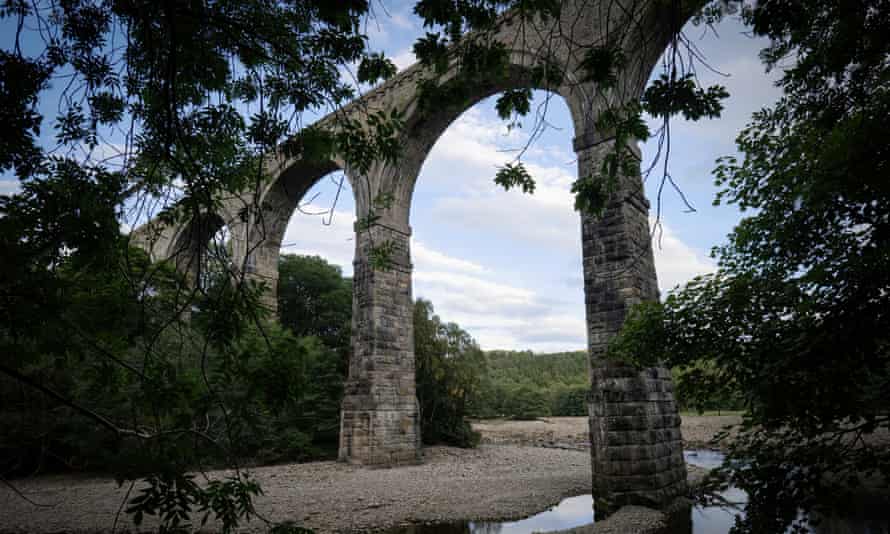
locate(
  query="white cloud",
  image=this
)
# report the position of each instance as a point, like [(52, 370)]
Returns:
[(502, 316), (472, 294), (474, 140), (402, 20), (9, 187), (425, 258), (466, 158), (676, 262), (308, 235), (546, 228), (376, 30), (404, 59), (496, 313)]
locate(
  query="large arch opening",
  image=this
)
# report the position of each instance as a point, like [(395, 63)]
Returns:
[(505, 266), (509, 249), (316, 263)]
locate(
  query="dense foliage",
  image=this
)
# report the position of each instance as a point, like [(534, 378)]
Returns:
[(168, 395), (315, 299), (149, 107), (524, 385), (798, 315), (283, 384), (449, 364), (275, 383)]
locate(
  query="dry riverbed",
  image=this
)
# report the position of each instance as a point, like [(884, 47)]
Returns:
[(572, 432), (520, 469)]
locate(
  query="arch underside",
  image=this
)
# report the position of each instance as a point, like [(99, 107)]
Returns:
[(636, 448), (189, 247)]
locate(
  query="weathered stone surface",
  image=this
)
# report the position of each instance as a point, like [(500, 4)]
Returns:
[(379, 422), (634, 426), (636, 449)]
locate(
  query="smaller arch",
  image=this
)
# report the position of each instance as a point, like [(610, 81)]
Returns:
[(261, 237), (188, 248), (280, 199)]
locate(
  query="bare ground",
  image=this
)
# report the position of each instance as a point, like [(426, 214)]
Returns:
[(572, 432), (521, 468)]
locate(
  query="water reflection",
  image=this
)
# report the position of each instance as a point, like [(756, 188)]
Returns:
[(713, 519), (577, 511), (866, 519), (718, 519), (569, 513), (703, 458)]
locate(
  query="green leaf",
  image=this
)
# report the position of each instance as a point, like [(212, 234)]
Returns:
[(431, 50), (514, 102), (380, 256), (515, 175), (667, 97), (602, 65), (374, 68)]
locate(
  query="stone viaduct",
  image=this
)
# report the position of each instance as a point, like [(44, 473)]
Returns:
[(634, 426)]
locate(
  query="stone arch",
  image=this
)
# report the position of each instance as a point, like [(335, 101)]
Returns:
[(267, 222), (291, 178), (379, 421), (187, 248), (636, 448)]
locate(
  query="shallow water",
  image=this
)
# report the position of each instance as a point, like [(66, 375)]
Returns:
[(713, 519), (718, 520), (576, 511), (703, 458), (569, 513)]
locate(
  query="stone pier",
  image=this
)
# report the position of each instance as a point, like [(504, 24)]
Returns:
[(636, 449), (379, 422)]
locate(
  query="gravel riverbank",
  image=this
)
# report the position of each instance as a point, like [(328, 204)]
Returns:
[(572, 432), (498, 480)]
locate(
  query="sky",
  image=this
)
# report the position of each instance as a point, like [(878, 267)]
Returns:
[(506, 266)]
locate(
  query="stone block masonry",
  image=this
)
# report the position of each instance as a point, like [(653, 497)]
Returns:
[(379, 422), (636, 447)]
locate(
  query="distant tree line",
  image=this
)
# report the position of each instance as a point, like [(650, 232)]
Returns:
[(525, 385)]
